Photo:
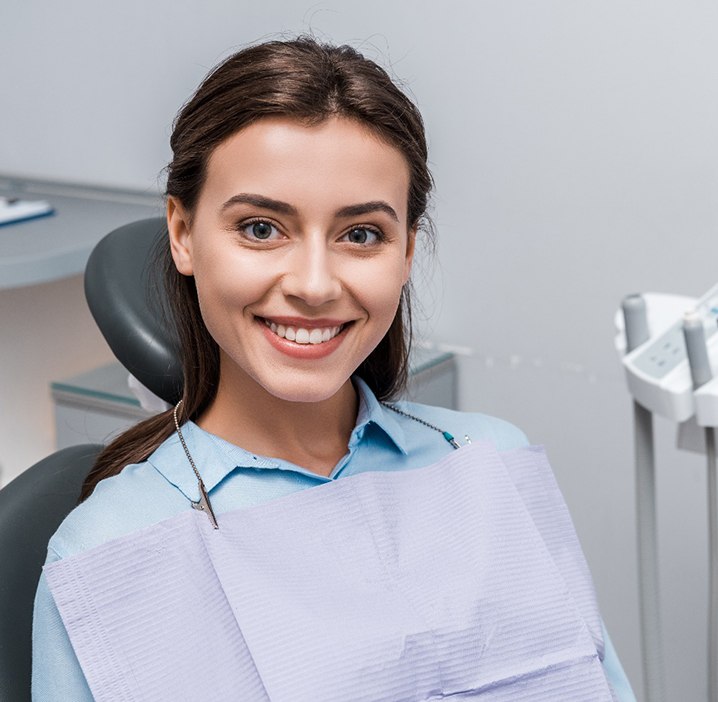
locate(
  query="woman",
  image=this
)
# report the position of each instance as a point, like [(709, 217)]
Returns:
[(296, 192)]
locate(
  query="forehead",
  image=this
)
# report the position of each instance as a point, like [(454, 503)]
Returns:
[(330, 164)]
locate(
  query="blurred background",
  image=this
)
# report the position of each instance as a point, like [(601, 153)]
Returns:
[(574, 146)]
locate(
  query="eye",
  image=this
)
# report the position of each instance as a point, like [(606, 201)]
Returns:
[(363, 235), (259, 230)]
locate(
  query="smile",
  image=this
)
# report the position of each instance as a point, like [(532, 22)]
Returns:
[(300, 335)]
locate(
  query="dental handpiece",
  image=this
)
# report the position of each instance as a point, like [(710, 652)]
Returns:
[(696, 349), (635, 319)]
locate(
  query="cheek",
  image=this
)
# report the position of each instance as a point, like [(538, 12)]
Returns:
[(380, 289), (225, 286)]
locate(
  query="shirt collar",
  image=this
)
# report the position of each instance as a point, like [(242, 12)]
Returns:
[(371, 411), (216, 458)]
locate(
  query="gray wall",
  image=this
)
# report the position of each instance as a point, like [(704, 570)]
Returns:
[(574, 146)]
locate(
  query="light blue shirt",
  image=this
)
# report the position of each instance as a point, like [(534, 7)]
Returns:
[(161, 487)]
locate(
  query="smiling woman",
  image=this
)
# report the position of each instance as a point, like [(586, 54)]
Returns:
[(299, 273), (303, 249), (413, 571)]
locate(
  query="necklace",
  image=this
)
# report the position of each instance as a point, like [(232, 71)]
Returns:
[(204, 505)]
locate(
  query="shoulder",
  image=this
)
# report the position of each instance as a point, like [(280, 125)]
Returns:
[(136, 497), (479, 427)]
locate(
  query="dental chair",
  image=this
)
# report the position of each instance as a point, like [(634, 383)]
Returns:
[(125, 301), (31, 508)]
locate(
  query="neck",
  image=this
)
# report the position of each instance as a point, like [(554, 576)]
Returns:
[(313, 435)]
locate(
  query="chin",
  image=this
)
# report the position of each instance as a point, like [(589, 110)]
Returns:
[(307, 390)]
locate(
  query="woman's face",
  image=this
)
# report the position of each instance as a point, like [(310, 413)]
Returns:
[(299, 246)]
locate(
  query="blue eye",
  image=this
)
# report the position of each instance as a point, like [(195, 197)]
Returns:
[(260, 230), (363, 235)]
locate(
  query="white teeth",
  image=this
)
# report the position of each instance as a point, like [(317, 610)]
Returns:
[(300, 335)]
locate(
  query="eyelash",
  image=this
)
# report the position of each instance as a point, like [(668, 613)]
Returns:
[(244, 225), (380, 237)]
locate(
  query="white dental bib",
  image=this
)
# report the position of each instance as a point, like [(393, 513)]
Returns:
[(464, 579)]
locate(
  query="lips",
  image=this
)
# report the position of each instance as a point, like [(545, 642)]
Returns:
[(304, 335)]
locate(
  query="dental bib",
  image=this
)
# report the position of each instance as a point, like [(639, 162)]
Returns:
[(463, 579)]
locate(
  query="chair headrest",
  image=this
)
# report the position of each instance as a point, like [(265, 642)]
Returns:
[(125, 293)]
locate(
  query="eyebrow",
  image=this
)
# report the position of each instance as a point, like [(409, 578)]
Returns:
[(367, 208), (267, 203)]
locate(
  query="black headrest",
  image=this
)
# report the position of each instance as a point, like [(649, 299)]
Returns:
[(124, 291)]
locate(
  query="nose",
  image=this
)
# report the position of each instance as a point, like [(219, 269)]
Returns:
[(311, 276)]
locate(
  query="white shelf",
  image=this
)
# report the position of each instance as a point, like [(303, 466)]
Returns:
[(58, 246)]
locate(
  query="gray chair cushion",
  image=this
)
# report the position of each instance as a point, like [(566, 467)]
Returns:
[(31, 508), (124, 294)]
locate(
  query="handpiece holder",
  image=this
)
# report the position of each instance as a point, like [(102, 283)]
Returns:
[(657, 371)]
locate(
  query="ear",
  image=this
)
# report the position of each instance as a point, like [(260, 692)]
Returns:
[(410, 246), (180, 236)]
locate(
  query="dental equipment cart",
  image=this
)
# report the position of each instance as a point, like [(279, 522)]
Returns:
[(669, 349)]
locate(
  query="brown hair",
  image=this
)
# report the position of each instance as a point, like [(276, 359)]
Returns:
[(308, 81)]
